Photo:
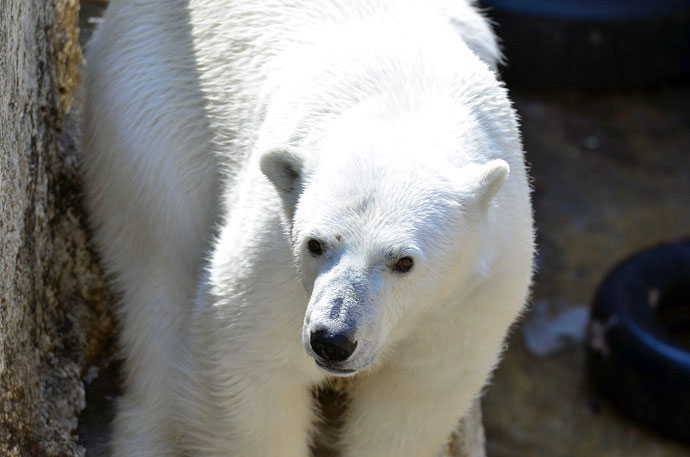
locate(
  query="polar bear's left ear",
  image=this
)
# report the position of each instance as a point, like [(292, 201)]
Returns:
[(487, 179), (283, 167)]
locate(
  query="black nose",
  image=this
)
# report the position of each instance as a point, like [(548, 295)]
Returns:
[(332, 347)]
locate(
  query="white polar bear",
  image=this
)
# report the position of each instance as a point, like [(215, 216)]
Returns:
[(287, 190)]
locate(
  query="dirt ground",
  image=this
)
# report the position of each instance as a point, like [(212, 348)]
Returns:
[(611, 176)]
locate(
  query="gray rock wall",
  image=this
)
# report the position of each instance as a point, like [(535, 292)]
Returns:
[(54, 319)]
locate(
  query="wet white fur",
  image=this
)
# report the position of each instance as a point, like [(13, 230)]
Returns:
[(405, 144)]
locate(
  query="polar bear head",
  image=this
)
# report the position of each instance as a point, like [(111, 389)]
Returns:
[(379, 244), (388, 228)]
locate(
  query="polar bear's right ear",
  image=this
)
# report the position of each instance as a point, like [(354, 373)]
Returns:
[(284, 168), (482, 182)]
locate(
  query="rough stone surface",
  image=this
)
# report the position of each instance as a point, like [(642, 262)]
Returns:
[(54, 319)]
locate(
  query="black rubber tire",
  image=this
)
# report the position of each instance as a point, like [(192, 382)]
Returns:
[(635, 359), (593, 44)]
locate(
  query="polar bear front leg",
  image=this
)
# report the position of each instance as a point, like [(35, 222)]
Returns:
[(244, 384), (410, 406), (390, 416), (273, 418), (262, 414)]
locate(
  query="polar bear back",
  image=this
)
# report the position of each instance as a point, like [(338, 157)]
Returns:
[(241, 45)]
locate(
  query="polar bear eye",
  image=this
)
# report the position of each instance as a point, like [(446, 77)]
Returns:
[(315, 247), (403, 265)]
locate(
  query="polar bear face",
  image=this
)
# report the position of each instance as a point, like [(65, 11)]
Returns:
[(380, 250)]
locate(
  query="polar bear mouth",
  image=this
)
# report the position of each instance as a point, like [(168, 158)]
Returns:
[(334, 370)]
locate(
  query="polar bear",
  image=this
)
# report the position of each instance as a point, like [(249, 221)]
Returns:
[(290, 191)]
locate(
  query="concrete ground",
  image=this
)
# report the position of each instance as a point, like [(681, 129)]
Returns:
[(611, 176)]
